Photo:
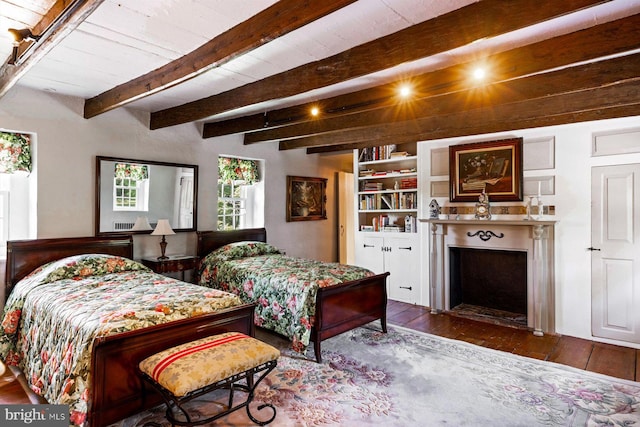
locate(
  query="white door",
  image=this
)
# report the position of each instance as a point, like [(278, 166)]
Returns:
[(615, 249), (345, 214), (185, 214), (402, 260), (369, 253)]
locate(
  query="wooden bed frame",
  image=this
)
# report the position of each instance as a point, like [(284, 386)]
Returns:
[(116, 390), (339, 308)]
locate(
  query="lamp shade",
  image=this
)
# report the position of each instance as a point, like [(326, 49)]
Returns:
[(163, 228), (141, 224)]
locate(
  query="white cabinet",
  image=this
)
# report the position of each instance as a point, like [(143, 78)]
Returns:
[(397, 253)]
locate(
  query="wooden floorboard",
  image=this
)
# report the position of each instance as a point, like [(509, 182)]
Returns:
[(616, 361), (613, 360)]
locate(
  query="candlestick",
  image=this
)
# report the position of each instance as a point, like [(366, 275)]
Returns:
[(539, 188)]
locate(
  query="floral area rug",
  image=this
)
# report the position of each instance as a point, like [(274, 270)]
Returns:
[(407, 378)]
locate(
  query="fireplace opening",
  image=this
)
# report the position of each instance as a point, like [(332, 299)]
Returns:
[(489, 283)]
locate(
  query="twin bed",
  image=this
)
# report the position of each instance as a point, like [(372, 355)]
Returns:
[(312, 301), (98, 379)]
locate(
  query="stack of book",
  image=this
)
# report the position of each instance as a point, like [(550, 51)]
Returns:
[(396, 154), (372, 186), (406, 183)]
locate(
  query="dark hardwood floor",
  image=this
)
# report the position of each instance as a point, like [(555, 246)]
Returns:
[(616, 361), (621, 362)]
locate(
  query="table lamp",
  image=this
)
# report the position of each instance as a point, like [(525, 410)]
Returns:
[(141, 224), (163, 229)]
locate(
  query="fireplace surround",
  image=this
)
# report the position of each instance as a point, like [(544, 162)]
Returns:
[(531, 237)]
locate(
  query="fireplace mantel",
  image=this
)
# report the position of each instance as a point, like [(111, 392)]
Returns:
[(517, 222), (532, 236)]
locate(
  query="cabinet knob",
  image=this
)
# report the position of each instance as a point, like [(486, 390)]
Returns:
[(367, 246), (408, 248), (406, 287)]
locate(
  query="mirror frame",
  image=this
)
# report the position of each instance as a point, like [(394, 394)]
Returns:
[(100, 159)]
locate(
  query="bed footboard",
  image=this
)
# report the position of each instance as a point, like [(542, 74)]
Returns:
[(117, 389), (347, 306)]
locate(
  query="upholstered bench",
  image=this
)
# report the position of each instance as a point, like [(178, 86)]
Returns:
[(190, 370)]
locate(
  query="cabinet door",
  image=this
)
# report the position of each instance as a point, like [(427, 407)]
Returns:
[(369, 253), (402, 260)]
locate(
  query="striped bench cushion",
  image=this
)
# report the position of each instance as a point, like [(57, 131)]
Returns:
[(199, 363)]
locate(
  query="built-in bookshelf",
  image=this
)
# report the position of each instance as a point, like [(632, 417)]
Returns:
[(387, 237), (387, 188)]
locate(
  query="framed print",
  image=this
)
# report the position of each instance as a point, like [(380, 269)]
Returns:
[(306, 198), (494, 167)]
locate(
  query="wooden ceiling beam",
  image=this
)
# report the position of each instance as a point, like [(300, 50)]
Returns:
[(596, 42), (273, 22), (481, 122), (562, 81), (558, 85), (59, 21), (487, 18), (342, 104), (602, 40)]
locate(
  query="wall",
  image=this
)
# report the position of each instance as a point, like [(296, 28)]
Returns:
[(67, 145), (572, 199)]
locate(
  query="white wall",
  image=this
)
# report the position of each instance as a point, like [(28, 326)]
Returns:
[(68, 143), (67, 146), (572, 200)]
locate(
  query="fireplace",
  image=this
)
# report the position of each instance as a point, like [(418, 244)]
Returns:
[(489, 284), (500, 264)]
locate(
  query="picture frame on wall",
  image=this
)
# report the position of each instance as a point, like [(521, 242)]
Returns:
[(306, 198), (494, 167)]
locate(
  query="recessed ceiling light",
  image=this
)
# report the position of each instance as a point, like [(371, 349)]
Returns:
[(479, 73), (405, 91), (315, 111)]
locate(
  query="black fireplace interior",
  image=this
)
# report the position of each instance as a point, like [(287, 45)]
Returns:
[(490, 278)]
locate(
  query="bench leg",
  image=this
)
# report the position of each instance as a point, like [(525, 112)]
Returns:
[(176, 403)]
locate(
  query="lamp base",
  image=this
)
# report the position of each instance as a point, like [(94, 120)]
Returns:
[(163, 248)]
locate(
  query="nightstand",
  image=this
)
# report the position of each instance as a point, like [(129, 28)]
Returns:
[(175, 263)]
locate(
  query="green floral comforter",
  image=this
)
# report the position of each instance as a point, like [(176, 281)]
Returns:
[(54, 314), (283, 287)]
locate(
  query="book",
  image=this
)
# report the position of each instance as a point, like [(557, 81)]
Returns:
[(398, 154)]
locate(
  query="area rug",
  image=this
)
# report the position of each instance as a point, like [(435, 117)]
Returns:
[(407, 378)]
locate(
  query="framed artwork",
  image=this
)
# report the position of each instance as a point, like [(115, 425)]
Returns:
[(494, 167), (306, 198)]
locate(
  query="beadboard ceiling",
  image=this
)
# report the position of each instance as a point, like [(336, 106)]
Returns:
[(211, 61)]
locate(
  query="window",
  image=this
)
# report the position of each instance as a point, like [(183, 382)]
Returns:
[(18, 188), (131, 187), (232, 206), (4, 220), (240, 194)]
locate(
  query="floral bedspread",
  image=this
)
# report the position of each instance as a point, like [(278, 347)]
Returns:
[(283, 287), (54, 314)]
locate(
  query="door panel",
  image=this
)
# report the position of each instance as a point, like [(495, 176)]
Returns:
[(369, 254), (615, 248), (345, 214), (403, 262)]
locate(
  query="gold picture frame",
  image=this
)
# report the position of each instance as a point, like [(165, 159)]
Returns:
[(306, 198), (494, 167)]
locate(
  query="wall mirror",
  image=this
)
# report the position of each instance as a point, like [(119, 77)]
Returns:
[(130, 190)]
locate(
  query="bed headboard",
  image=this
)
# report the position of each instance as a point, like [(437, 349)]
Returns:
[(24, 256), (210, 240)]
